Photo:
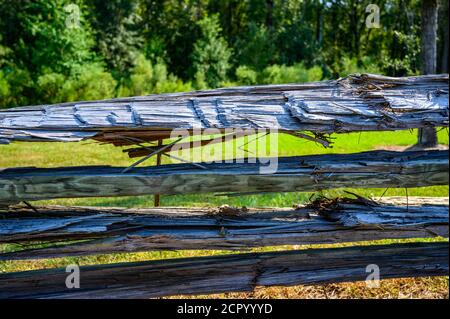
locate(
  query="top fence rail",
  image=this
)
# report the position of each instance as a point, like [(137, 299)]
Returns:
[(361, 102)]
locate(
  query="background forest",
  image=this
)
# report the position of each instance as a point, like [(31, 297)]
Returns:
[(65, 50)]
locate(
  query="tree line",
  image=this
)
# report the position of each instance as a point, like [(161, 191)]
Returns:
[(64, 50)]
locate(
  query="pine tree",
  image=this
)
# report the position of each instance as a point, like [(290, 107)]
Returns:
[(211, 54), (117, 34)]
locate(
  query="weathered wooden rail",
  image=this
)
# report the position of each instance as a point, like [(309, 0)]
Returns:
[(240, 272), (305, 173), (357, 103), (109, 230)]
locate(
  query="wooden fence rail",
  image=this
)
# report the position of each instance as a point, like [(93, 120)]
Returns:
[(357, 103), (294, 174), (240, 272), (109, 230)]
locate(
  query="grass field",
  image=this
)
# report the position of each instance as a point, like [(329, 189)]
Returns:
[(88, 153)]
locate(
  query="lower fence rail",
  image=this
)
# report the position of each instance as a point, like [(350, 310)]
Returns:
[(77, 231), (237, 272)]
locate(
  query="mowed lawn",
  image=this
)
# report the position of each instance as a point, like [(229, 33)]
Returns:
[(91, 153)]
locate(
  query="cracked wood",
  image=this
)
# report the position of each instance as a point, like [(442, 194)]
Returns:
[(113, 230), (240, 272), (293, 174), (357, 103)]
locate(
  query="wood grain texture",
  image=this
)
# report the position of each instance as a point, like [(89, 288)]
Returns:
[(112, 230), (294, 174), (357, 103), (241, 272)]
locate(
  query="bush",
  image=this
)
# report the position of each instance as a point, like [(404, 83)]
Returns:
[(173, 84), (147, 79), (16, 87), (90, 82), (257, 48), (352, 66), (141, 77), (246, 75), (297, 73), (211, 54), (4, 90), (163, 82), (50, 86), (346, 65)]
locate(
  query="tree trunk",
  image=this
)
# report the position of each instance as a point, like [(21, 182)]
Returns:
[(354, 22), (444, 52), (269, 15), (319, 23), (427, 137)]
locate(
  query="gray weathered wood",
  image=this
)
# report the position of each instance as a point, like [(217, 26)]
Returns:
[(357, 103), (109, 230), (304, 173), (241, 272)]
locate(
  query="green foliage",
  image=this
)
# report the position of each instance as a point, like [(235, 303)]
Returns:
[(41, 38), (53, 59), (403, 64), (146, 79), (347, 65), (50, 85), (170, 30), (17, 87), (118, 39), (257, 47), (4, 89), (89, 82), (60, 50), (140, 82), (211, 54), (246, 75), (290, 74), (4, 53), (278, 74)]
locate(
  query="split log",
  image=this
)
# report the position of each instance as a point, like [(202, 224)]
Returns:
[(293, 174), (113, 230), (357, 103), (241, 272)]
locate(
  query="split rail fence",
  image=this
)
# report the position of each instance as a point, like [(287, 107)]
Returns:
[(311, 111)]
